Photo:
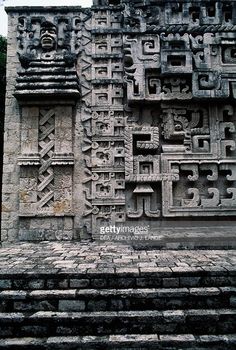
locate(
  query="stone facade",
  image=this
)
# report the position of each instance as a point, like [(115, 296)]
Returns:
[(121, 113)]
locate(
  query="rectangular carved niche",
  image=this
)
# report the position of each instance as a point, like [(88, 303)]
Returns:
[(46, 161), (206, 187)]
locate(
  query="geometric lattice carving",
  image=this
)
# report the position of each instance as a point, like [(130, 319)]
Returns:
[(45, 161), (179, 149), (154, 134), (46, 150), (193, 166), (206, 187)]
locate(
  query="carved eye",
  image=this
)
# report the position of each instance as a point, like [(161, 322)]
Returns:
[(48, 31), (178, 127)]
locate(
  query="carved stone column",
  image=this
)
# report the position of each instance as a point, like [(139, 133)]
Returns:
[(47, 92)]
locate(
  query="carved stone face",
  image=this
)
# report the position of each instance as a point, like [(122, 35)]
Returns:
[(48, 36)]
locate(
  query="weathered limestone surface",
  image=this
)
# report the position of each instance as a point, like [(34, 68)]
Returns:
[(77, 295), (121, 113)]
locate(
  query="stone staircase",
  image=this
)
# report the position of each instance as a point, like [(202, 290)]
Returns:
[(153, 308)]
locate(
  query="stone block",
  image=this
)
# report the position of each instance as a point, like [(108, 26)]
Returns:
[(150, 282), (71, 305), (79, 283), (36, 284), (5, 284), (97, 305), (190, 281)]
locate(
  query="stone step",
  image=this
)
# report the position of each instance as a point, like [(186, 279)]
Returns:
[(132, 341), (128, 277), (117, 299), (48, 323)]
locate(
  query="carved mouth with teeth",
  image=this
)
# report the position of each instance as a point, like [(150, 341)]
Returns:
[(47, 42)]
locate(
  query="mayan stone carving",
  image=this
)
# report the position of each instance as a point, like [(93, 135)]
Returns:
[(124, 112), (47, 52)]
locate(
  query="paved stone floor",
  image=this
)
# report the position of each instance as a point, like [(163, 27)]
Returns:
[(92, 257)]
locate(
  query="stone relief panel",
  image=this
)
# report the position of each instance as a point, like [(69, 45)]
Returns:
[(104, 182), (180, 16), (203, 188), (178, 59), (47, 48), (194, 145), (127, 113), (46, 149), (46, 159), (49, 79), (187, 125), (179, 66), (193, 47)]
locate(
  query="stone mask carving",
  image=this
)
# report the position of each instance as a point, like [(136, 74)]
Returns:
[(48, 36)]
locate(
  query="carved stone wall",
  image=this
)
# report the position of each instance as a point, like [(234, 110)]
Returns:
[(124, 112)]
